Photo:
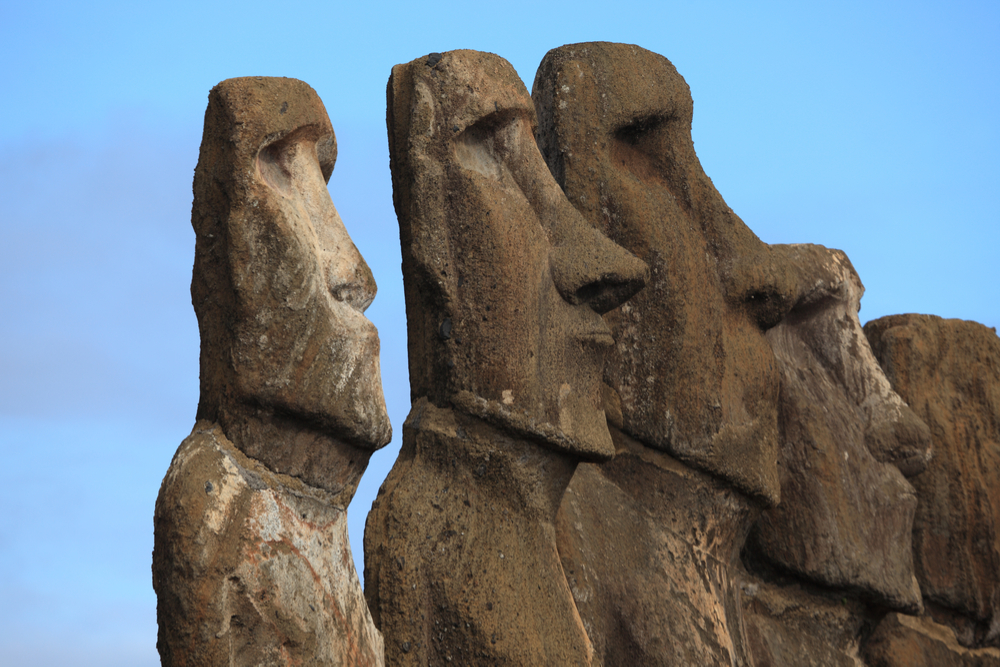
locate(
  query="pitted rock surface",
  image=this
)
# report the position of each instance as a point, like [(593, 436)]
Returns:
[(289, 363), (650, 549), (693, 372), (691, 383), (910, 641)]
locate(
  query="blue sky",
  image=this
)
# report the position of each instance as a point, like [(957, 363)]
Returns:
[(873, 127)]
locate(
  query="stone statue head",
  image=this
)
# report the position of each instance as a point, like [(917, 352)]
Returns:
[(505, 282), (846, 514), (692, 370), (948, 370), (289, 363)]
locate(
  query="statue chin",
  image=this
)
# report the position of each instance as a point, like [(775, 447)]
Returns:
[(592, 442)]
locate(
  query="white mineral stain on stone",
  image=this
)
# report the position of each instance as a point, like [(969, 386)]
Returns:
[(227, 489), (565, 411), (266, 518)]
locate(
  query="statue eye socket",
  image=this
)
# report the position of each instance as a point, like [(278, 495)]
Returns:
[(642, 145), (640, 131), (272, 161), (275, 161), (476, 149)]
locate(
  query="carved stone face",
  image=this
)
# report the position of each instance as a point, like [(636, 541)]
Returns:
[(693, 372), (332, 361), (505, 281), (949, 371), (846, 513), (279, 288)]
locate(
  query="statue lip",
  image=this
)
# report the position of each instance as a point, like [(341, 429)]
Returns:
[(594, 332), (350, 315)]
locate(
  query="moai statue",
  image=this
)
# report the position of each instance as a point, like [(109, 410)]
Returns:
[(949, 373), (505, 285), (251, 563), (650, 541), (845, 519)]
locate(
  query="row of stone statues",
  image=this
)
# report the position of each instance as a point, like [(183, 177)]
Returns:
[(639, 435)]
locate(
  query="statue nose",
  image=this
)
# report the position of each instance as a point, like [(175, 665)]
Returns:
[(350, 280), (761, 284), (589, 268)]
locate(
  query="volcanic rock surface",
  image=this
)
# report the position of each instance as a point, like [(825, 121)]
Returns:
[(907, 641), (723, 468), (845, 518), (837, 548)]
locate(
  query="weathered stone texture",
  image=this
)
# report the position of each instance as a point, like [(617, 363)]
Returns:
[(949, 373), (845, 517), (503, 279), (516, 528), (253, 567), (649, 547), (504, 285), (791, 625), (909, 641), (460, 559)]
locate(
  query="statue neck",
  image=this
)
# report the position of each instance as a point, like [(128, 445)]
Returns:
[(520, 472), (293, 447), (678, 497)]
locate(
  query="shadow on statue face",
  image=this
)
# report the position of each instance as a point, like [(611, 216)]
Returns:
[(527, 279), (692, 369)]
